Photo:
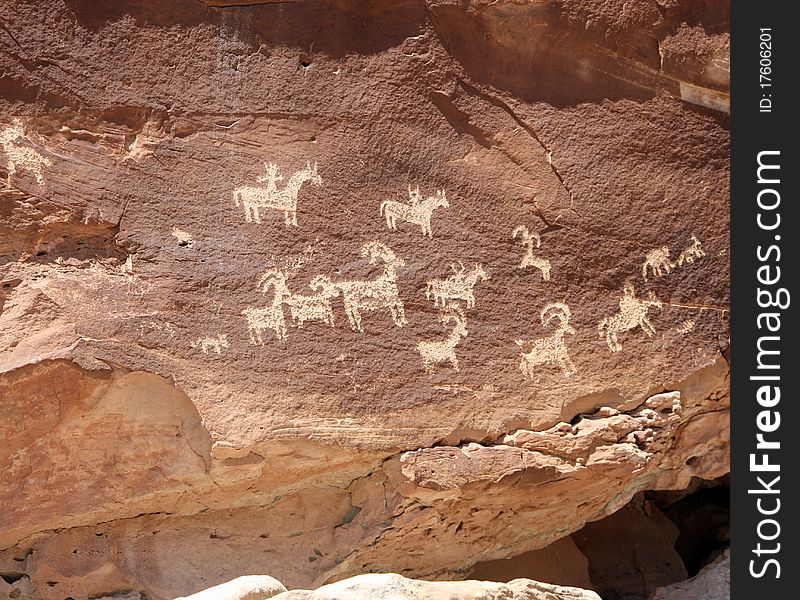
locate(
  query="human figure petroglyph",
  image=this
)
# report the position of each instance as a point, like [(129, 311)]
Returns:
[(658, 261), (21, 157), (550, 350), (532, 240), (252, 198), (417, 212), (314, 307), (433, 353), (632, 313), (213, 344), (691, 253), (457, 286), (374, 294)]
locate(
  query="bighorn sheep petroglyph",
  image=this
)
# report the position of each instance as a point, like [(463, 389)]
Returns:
[(550, 350), (270, 317), (532, 240), (433, 353), (376, 294), (418, 212)]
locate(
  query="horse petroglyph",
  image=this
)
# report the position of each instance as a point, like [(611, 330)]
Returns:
[(213, 344), (550, 350), (252, 198), (21, 157), (457, 286), (691, 253), (632, 313), (374, 294), (658, 261), (433, 353), (532, 240), (417, 212)]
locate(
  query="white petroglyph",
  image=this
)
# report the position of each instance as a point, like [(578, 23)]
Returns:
[(252, 198), (632, 313), (658, 261), (184, 238), (433, 353), (19, 157), (686, 327), (314, 307), (417, 212), (212, 344), (550, 350), (371, 295), (269, 317), (532, 240), (457, 286), (692, 252)]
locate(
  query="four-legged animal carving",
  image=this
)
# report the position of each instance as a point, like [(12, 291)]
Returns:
[(418, 212), (376, 294), (253, 198), (532, 240), (632, 313), (658, 261), (691, 253), (213, 344), (433, 353), (21, 157), (270, 317), (316, 307), (550, 350), (456, 287)]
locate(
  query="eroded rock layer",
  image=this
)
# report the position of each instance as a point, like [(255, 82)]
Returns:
[(315, 289)]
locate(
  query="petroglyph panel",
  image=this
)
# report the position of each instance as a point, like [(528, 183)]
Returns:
[(531, 241), (416, 212), (20, 157), (550, 350), (632, 313), (254, 198), (457, 287)]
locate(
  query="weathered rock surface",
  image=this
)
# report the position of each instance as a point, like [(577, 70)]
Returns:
[(199, 381), (394, 587), (712, 583)]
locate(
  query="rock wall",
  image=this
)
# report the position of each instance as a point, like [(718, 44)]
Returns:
[(314, 289)]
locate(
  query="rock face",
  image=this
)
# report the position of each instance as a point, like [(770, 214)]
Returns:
[(318, 289), (712, 583)]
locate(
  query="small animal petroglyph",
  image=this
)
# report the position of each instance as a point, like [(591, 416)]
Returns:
[(550, 350), (374, 294), (418, 212), (252, 198), (658, 261), (691, 253), (632, 313), (532, 240), (433, 353), (456, 287), (315, 307), (22, 157), (213, 344), (686, 327), (184, 238)]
